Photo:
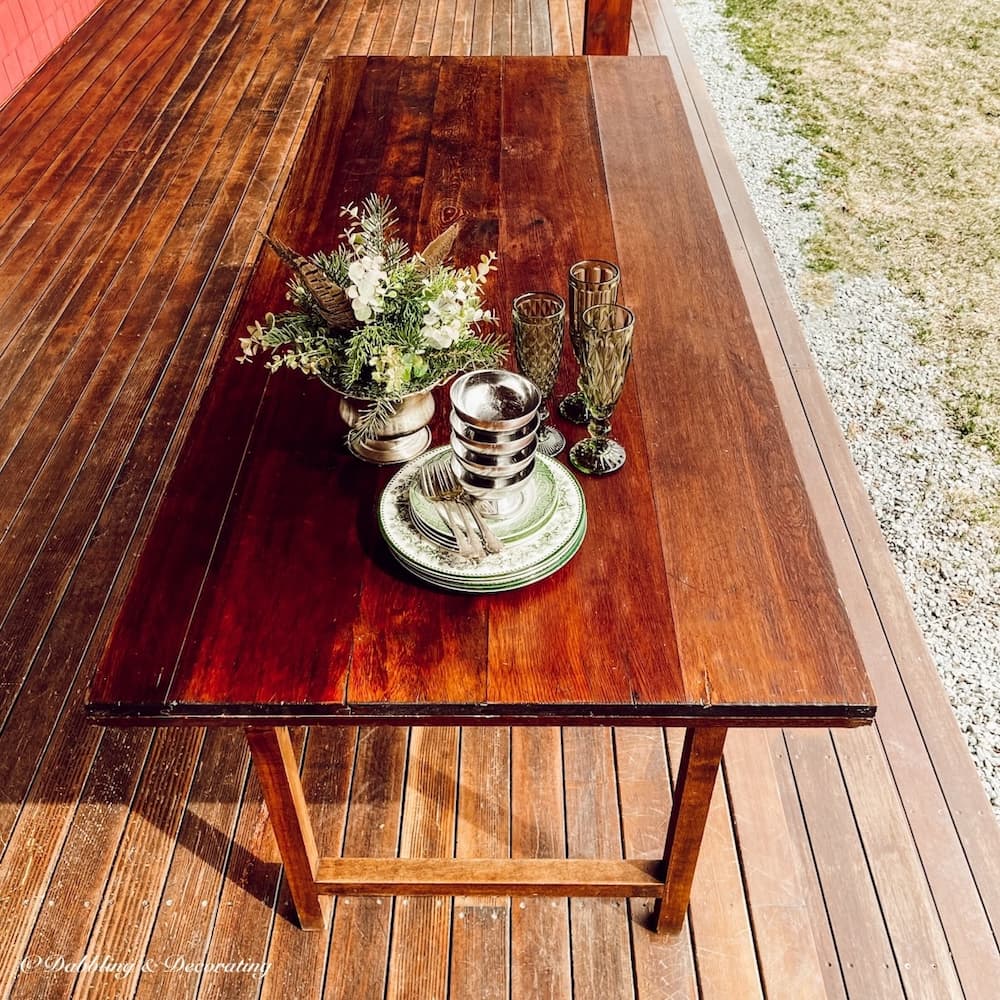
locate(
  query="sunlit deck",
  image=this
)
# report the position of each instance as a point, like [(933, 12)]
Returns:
[(137, 168)]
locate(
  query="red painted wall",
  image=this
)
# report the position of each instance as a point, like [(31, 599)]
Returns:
[(29, 31)]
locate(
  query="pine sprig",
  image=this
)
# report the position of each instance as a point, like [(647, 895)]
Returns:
[(374, 416)]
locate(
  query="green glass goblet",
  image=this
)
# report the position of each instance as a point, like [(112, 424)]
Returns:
[(591, 282), (539, 320), (606, 343)]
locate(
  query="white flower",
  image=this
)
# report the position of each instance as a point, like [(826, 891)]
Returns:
[(369, 288), (441, 336), (453, 312)]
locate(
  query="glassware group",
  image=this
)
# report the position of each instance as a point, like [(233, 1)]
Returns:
[(601, 336)]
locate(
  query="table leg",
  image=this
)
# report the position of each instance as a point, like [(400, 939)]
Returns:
[(607, 27), (692, 796), (277, 769)]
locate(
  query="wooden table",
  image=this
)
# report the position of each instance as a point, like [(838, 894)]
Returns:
[(702, 597)]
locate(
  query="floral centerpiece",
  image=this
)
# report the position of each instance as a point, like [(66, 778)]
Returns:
[(375, 321)]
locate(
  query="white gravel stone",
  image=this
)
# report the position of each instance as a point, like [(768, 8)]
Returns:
[(923, 479)]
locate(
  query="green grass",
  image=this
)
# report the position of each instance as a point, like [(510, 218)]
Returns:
[(969, 417), (902, 101)]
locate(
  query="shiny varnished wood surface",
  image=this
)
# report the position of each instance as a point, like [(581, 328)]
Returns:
[(861, 863), (703, 590)]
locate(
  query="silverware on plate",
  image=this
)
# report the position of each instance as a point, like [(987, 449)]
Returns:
[(469, 546), (451, 488)]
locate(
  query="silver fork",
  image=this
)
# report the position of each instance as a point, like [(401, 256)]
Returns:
[(450, 487), (468, 545)]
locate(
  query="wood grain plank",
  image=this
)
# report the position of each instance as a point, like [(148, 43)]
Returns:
[(502, 28), (482, 29), (404, 28), (664, 963), (421, 930), (607, 27), (576, 17), (102, 370), (547, 223), (423, 28), (444, 27), (540, 947), (141, 863), (445, 633), (464, 28), (601, 945), (46, 193), (786, 952), (382, 38), (74, 870), (643, 41), (866, 960), (359, 944), (520, 28), (80, 79), (99, 250), (360, 42), (559, 27), (924, 956), (141, 177), (113, 359), (800, 847), (480, 932), (541, 31), (184, 918)]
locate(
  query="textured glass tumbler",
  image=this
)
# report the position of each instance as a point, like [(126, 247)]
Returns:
[(606, 345), (591, 283), (539, 319)]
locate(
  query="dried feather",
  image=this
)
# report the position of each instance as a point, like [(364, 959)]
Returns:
[(439, 249), (331, 300)]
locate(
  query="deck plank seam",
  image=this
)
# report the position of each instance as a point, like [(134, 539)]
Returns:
[(139, 155), (809, 840), (83, 464)]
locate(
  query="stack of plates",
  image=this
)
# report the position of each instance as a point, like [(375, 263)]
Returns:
[(540, 536)]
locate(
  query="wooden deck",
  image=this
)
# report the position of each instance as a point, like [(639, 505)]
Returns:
[(137, 167)]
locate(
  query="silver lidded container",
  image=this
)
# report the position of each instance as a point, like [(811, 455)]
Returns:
[(494, 423)]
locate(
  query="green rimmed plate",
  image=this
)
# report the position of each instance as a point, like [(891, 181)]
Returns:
[(512, 582), (537, 555)]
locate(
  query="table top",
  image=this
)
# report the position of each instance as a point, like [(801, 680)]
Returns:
[(702, 592)]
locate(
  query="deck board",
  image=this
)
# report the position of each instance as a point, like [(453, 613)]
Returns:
[(138, 165)]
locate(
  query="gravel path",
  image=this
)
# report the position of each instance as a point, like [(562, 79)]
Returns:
[(924, 481)]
